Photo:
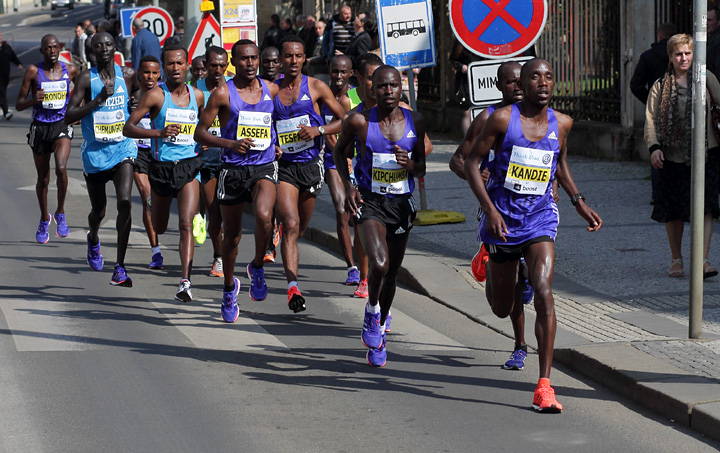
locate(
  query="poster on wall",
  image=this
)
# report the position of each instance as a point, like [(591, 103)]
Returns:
[(233, 33), (237, 11)]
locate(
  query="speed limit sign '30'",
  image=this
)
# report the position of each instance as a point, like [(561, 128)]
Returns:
[(158, 21)]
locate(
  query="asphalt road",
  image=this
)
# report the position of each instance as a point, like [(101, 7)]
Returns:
[(90, 367)]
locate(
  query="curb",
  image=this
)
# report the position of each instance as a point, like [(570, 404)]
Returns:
[(685, 398)]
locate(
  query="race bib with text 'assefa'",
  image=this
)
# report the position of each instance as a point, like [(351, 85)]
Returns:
[(186, 120), (55, 94), (288, 134), (529, 170), (256, 126)]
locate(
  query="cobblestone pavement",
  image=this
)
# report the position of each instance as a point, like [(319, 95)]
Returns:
[(624, 264)]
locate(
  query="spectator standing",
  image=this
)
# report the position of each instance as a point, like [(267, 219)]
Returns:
[(7, 56), (362, 41), (78, 47), (286, 27), (338, 33), (144, 43), (90, 32), (713, 42), (273, 34), (310, 36), (317, 66), (652, 65)]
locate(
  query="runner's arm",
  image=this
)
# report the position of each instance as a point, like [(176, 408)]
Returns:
[(457, 161), (351, 128), (495, 128), (76, 111), (29, 85), (565, 179), (325, 95), (153, 98)]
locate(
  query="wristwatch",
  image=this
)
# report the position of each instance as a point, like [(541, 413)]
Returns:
[(321, 130), (576, 197)]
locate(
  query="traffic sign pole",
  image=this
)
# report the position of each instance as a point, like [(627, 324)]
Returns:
[(193, 16)]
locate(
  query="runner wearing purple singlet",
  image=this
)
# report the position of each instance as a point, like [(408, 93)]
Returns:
[(300, 174), (49, 84), (520, 216), (244, 108), (390, 154)]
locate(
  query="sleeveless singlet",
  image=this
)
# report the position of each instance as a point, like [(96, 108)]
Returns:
[(520, 183), (250, 121), (57, 94), (202, 86), (288, 117), (182, 146), (377, 170), (104, 144)]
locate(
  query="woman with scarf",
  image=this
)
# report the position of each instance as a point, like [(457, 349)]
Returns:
[(668, 134)]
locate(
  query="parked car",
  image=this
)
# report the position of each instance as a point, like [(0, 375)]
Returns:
[(70, 4)]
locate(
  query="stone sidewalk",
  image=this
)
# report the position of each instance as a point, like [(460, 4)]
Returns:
[(621, 320)]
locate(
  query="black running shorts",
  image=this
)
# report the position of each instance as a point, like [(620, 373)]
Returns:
[(501, 253), (167, 178), (102, 177), (42, 135), (307, 176), (396, 213), (143, 161), (235, 183)]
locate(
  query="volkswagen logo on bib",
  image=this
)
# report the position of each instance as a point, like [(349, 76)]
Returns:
[(192, 116), (266, 119), (304, 122), (547, 158), (119, 115)]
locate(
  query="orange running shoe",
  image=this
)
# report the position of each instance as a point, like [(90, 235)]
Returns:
[(544, 398), (362, 290), (296, 302), (479, 262), (269, 256), (217, 268)]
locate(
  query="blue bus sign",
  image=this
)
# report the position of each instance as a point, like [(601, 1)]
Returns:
[(407, 38)]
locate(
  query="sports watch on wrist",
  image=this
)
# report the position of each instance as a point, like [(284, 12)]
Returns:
[(321, 130), (575, 198)]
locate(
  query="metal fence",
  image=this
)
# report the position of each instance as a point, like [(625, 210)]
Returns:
[(678, 12), (582, 41)]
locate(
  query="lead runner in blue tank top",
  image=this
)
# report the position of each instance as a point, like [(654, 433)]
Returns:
[(244, 107), (521, 218), (391, 154), (48, 83), (300, 170), (174, 109), (107, 155)]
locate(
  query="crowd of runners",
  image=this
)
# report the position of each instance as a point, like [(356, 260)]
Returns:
[(272, 136)]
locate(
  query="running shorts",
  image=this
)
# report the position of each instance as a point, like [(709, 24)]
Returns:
[(102, 177), (143, 161), (501, 253), (235, 183), (42, 135), (167, 178), (307, 176), (396, 213)]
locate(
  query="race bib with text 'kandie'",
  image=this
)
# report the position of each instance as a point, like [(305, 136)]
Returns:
[(529, 170)]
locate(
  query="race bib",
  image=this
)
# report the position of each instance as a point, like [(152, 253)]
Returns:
[(215, 127), (55, 94), (186, 120), (529, 170), (145, 123), (388, 177), (255, 125), (109, 125), (288, 136)]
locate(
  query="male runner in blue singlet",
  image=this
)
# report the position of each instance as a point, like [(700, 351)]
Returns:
[(244, 107), (48, 82), (216, 62), (300, 129), (520, 216), (107, 155), (174, 108), (149, 75), (390, 156)]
